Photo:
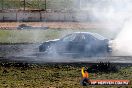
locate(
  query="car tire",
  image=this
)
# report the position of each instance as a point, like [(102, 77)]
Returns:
[(44, 47)]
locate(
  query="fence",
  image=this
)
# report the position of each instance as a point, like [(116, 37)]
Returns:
[(45, 10), (43, 16), (37, 10)]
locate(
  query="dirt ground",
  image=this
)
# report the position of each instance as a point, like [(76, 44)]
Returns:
[(56, 25)]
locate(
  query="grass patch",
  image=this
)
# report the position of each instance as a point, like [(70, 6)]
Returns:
[(54, 76), (33, 36), (30, 36)]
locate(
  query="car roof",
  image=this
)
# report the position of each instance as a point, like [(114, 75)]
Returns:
[(92, 34)]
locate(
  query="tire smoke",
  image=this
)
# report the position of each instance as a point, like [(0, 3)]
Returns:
[(122, 43)]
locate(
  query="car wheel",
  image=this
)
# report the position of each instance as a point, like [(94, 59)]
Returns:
[(44, 47)]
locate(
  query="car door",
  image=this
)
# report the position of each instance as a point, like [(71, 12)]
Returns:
[(65, 44), (90, 44), (78, 45)]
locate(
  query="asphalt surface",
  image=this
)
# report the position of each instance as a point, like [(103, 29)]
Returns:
[(30, 53)]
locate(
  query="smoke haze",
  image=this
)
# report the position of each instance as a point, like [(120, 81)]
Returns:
[(122, 45), (117, 12)]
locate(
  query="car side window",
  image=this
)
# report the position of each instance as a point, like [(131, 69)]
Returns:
[(90, 38), (69, 38), (80, 38), (84, 38)]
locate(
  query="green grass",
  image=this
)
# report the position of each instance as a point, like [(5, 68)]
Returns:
[(54, 76), (33, 36)]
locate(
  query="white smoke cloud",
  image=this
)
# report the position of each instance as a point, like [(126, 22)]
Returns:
[(123, 43), (117, 12), (110, 10)]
